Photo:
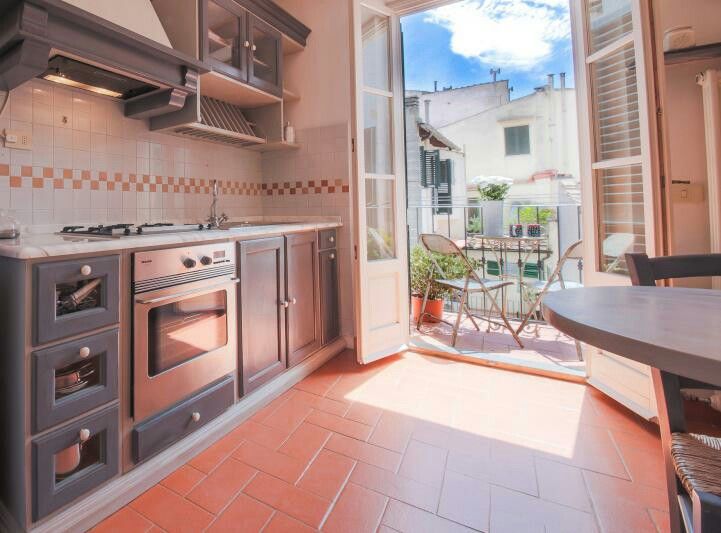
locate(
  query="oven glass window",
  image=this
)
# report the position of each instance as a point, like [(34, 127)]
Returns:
[(181, 331)]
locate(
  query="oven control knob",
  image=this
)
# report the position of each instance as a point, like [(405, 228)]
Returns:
[(206, 260), (189, 262)]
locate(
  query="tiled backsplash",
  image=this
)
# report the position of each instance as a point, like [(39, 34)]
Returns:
[(90, 164)]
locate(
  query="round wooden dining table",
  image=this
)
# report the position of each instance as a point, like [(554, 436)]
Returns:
[(676, 331)]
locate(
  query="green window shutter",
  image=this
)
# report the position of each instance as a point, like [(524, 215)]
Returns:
[(429, 167), (444, 186)]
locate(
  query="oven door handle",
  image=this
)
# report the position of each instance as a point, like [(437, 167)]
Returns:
[(186, 293)]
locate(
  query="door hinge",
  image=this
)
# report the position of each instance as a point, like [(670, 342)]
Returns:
[(355, 251), (352, 145)]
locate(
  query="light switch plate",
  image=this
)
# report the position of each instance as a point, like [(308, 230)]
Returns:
[(18, 139)]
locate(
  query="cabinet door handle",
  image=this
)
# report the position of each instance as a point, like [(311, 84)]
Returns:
[(285, 303), (331, 257), (246, 44), (331, 239), (195, 416), (84, 435), (254, 48), (84, 352), (86, 270), (294, 301)]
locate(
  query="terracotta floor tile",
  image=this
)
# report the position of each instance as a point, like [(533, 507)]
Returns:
[(465, 500), (271, 462), (562, 484), (289, 417), (171, 512), (393, 432), (305, 442), (340, 425), (424, 462), (282, 523), (125, 520), (219, 488), (623, 505), (244, 514), (320, 382), (364, 413), (327, 474), (405, 518), (183, 479), (270, 437), (271, 407), (397, 487), (297, 503), (362, 451), (334, 407), (358, 510), (212, 456), (522, 512)]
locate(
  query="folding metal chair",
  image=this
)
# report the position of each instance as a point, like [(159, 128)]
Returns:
[(469, 284), (534, 291)]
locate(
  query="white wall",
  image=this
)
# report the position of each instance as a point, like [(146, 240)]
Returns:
[(683, 107), (554, 143), (452, 105)]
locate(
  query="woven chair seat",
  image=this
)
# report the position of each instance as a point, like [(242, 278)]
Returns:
[(697, 459)]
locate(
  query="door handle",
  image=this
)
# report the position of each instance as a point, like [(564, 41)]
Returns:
[(186, 293)]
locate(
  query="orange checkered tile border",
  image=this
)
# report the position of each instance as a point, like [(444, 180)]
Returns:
[(38, 178)]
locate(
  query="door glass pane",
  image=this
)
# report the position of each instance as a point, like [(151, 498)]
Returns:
[(615, 105), (380, 218), (377, 130), (621, 216), (265, 56), (376, 50), (223, 34), (608, 21), (181, 331)]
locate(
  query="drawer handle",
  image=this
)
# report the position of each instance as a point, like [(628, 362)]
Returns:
[(86, 270), (331, 257), (331, 239), (84, 352), (195, 416), (84, 435)]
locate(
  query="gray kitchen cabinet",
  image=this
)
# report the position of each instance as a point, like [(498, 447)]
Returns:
[(73, 297), (329, 309), (303, 296), (73, 460), (263, 307), (73, 378)]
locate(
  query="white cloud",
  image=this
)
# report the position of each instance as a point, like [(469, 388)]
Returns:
[(505, 33)]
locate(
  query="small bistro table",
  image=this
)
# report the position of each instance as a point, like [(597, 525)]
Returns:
[(675, 331)]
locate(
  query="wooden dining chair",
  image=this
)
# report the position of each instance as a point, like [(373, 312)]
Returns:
[(468, 284), (693, 461)]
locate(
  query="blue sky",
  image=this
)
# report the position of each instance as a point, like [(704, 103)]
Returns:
[(458, 44)]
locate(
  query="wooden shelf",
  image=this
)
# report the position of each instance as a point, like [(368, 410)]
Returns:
[(290, 96), (276, 146), (222, 87), (290, 46), (697, 53)]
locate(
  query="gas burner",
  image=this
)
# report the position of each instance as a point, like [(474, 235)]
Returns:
[(113, 230), (130, 230)]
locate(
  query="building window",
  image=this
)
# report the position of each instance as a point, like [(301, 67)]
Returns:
[(518, 141)]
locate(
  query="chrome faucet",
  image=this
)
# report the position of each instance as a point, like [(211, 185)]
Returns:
[(215, 220)]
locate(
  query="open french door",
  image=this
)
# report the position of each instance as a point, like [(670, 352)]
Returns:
[(620, 174), (381, 256)]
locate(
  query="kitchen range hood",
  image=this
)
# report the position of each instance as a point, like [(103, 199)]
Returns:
[(59, 42)]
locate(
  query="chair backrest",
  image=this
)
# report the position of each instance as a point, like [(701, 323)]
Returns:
[(438, 244), (574, 251), (646, 271)]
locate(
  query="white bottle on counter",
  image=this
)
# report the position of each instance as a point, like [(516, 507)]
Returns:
[(289, 133)]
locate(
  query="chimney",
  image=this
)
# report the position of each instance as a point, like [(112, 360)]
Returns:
[(435, 86), (562, 76), (550, 81), (428, 111), (494, 73)]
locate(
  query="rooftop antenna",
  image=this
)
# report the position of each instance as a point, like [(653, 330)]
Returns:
[(495, 72), (435, 86)]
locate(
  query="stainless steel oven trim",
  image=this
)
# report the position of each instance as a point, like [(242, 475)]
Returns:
[(151, 395)]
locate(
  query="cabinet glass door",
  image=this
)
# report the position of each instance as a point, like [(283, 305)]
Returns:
[(265, 57), (223, 46)]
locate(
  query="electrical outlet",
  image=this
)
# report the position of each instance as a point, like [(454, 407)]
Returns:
[(20, 140)]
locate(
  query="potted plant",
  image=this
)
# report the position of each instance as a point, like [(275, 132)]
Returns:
[(422, 270), (492, 191)]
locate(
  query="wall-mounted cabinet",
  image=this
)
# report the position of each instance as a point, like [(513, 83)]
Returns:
[(243, 44)]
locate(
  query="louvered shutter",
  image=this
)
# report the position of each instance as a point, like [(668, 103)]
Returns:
[(430, 167), (444, 184)]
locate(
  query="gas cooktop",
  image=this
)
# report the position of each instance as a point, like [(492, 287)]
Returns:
[(131, 230)]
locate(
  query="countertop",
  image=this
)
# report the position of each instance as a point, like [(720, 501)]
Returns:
[(38, 245)]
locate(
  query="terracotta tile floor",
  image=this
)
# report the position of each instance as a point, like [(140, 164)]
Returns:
[(542, 344), (419, 444)]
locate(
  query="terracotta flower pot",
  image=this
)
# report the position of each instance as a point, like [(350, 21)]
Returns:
[(434, 309)]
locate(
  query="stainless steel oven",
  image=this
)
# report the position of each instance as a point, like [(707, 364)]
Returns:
[(184, 323)]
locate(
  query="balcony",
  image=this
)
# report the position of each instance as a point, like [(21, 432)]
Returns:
[(527, 263)]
